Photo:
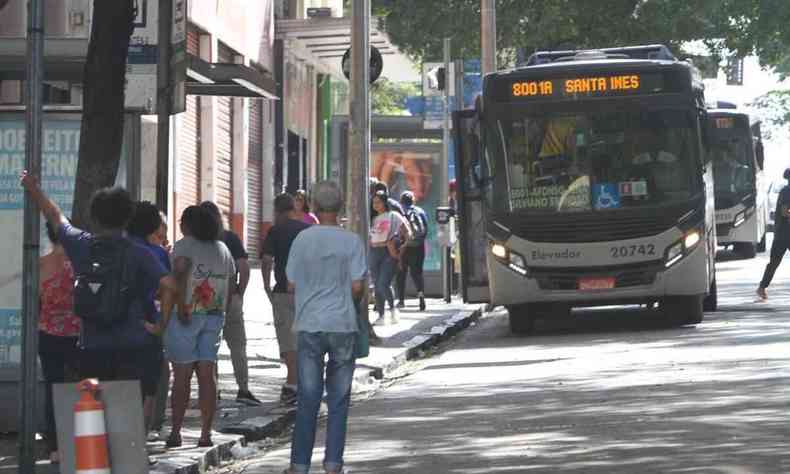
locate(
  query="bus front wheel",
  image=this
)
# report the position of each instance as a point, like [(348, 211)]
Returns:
[(711, 302), (746, 249), (683, 310), (521, 318)]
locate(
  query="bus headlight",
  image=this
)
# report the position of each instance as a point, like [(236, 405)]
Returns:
[(517, 263), (499, 251), (513, 260), (691, 239), (682, 247), (674, 254), (740, 218)]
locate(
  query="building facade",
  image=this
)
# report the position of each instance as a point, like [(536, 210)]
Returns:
[(221, 146)]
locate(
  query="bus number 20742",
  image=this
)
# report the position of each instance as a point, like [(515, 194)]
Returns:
[(625, 251)]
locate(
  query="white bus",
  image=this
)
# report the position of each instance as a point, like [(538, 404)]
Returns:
[(742, 211), (584, 181)]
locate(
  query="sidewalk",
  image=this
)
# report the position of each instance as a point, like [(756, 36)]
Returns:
[(238, 424)]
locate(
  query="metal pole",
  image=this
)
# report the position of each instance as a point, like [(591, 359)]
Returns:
[(444, 182), (164, 103), (459, 85), (357, 184), (459, 105), (30, 271), (488, 36)]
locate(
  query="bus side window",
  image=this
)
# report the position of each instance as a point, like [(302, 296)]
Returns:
[(705, 134), (759, 153), (485, 176)]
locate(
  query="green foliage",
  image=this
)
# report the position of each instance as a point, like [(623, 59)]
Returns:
[(725, 27), (389, 98), (743, 26), (757, 27), (774, 109), (418, 26)]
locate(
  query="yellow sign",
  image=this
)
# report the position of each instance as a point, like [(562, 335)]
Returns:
[(587, 85), (580, 85), (725, 122), (533, 88)]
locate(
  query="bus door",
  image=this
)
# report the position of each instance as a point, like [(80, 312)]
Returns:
[(760, 186), (471, 207)]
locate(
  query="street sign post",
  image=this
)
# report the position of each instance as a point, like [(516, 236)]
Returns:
[(30, 272), (178, 57), (434, 98), (142, 58)]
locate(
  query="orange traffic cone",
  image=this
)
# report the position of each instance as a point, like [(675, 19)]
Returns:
[(90, 434)]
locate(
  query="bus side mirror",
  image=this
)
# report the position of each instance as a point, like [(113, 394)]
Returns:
[(760, 155)]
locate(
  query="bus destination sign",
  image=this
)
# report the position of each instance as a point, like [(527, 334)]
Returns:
[(589, 86), (725, 122)]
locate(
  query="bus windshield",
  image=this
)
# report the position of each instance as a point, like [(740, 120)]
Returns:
[(733, 166), (598, 160)]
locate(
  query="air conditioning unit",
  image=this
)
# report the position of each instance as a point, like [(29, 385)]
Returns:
[(68, 18), (62, 18)]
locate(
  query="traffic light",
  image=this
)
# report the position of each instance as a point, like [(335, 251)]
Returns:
[(437, 78)]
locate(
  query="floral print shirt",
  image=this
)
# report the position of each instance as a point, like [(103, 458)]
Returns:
[(57, 316)]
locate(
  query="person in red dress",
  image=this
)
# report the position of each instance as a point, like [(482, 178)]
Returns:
[(58, 329)]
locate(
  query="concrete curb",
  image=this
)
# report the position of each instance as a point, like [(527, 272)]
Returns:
[(196, 460), (255, 424), (415, 347)]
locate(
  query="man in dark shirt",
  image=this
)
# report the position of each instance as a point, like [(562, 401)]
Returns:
[(275, 253), (143, 229), (781, 238), (234, 332), (111, 353)]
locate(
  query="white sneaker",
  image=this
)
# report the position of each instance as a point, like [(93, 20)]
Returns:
[(382, 321), (394, 315)]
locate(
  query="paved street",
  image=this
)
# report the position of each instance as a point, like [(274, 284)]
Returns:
[(610, 391)]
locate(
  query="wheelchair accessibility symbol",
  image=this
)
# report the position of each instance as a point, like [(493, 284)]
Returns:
[(606, 196)]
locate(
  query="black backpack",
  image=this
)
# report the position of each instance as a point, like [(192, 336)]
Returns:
[(102, 293), (419, 229)]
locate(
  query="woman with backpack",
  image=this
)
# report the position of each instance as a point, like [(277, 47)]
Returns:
[(205, 272), (414, 252)]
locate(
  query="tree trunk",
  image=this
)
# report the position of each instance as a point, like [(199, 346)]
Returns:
[(104, 84)]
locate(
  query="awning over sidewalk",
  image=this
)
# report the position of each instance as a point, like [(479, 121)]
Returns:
[(227, 79), (64, 60), (327, 39)]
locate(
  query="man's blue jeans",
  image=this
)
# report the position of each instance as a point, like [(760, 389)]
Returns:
[(310, 353)]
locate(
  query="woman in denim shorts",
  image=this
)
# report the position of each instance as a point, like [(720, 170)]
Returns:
[(205, 272)]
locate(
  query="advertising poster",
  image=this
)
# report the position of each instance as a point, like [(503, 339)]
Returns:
[(412, 170), (60, 143), (60, 150)]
